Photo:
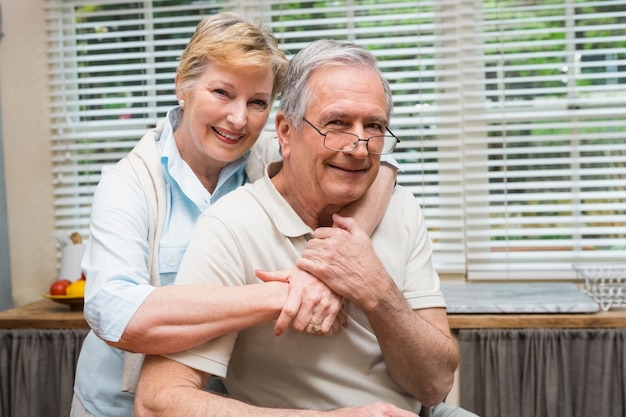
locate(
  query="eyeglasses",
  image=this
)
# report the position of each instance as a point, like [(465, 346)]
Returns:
[(339, 141)]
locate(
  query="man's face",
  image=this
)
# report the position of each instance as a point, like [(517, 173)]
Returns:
[(343, 98)]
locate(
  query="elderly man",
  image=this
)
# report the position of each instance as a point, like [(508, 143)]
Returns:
[(396, 353)]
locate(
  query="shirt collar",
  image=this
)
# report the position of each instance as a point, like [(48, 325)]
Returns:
[(287, 221)]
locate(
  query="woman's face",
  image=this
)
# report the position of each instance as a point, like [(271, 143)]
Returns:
[(224, 112)]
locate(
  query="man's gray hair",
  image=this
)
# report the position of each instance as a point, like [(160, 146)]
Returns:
[(296, 93)]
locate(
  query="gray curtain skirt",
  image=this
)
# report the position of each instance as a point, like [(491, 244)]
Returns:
[(543, 372), (37, 371)]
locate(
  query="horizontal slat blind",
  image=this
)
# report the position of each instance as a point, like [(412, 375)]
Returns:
[(511, 113), (545, 138)]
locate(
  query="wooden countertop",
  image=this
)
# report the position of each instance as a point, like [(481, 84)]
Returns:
[(47, 314), (44, 314), (603, 319)]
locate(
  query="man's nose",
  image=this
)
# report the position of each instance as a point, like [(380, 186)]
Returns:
[(360, 150)]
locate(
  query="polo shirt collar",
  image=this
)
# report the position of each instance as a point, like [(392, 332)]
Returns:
[(287, 221)]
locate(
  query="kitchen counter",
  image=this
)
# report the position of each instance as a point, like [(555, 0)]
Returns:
[(46, 314), (43, 314), (516, 298), (603, 319)]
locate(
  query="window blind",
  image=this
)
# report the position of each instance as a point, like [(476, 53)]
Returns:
[(509, 112), (544, 137)]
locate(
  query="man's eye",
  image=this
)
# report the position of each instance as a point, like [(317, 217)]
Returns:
[(335, 124), (375, 128)]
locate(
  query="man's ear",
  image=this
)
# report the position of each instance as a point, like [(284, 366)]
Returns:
[(284, 130)]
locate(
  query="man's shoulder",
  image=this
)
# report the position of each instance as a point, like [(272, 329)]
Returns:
[(403, 198), (403, 213)]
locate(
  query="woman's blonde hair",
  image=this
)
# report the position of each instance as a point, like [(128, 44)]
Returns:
[(228, 39)]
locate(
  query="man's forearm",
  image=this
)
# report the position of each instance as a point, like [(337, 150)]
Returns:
[(420, 353), (170, 389)]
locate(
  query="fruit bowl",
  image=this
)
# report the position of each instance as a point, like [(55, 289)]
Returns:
[(75, 303)]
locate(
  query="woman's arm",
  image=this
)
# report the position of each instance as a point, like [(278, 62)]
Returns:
[(127, 312), (369, 209), (179, 317)]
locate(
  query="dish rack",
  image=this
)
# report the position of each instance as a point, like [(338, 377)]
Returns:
[(606, 284)]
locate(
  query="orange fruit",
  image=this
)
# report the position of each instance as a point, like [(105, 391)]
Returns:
[(76, 289)]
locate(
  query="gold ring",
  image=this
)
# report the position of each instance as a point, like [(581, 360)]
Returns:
[(316, 327)]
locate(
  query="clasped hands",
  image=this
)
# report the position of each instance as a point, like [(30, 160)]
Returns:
[(311, 306), (335, 265)]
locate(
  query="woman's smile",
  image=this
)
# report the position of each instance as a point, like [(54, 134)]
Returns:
[(228, 137)]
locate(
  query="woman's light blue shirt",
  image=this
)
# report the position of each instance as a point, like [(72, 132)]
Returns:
[(118, 280)]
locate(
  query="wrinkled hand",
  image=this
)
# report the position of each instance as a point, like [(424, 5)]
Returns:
[(311, 306), (344, 259), (372, 410)]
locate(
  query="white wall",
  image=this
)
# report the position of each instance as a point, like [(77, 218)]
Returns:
[(6, 296), (27, 149)]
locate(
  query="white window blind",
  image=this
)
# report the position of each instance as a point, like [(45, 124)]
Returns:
[(544, 137), (510, 113)]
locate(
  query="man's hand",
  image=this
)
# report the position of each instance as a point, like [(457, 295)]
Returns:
[(343, 258), (311, 306), (372, 410)]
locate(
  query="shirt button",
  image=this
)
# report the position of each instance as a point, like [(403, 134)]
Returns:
[(171, 262)]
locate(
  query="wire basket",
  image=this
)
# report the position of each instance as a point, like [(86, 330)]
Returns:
[(606, 284)]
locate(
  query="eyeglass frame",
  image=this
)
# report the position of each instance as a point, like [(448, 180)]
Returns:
[(356, 142)]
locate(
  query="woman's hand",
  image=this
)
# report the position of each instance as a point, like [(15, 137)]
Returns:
[(311, 306)]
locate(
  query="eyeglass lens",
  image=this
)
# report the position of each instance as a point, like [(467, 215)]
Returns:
[(345, 142)]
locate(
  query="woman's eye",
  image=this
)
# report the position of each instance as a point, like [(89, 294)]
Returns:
[(221, 92), (259, 104)]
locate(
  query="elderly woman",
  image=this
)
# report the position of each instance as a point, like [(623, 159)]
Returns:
[(146, 206)]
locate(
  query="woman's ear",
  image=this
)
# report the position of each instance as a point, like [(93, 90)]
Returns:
[(284, 130), (180, 95)]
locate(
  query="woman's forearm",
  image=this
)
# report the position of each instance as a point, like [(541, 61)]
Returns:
[(370, 208), (178, 317)]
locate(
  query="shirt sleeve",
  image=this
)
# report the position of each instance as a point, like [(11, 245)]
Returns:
[(390, 160), (265, 151), (402, 234), (116, 256), (422, 286)]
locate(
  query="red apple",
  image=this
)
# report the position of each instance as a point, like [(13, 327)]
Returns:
[(59, 287)]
